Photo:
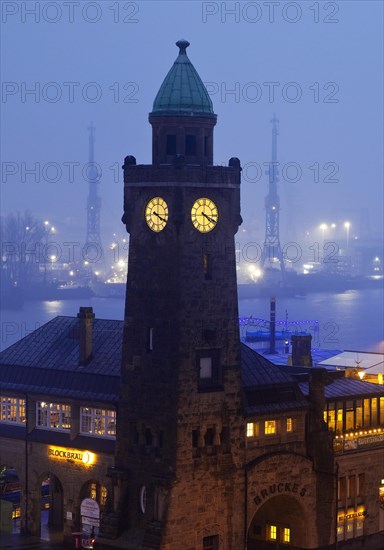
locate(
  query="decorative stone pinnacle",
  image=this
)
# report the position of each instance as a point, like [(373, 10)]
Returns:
[(183, 45)]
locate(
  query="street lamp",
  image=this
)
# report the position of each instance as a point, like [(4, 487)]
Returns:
[(323, 227)]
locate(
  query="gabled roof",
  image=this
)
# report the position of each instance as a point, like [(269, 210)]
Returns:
[(268, 389), (257, 370), (182, 91)]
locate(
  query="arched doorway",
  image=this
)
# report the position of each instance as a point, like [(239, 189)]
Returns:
[(10, 498), (279, 522), (95, 490), (51, 508)]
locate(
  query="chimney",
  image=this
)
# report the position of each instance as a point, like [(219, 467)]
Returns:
[(301, 350), (85, 317), (272, 327)]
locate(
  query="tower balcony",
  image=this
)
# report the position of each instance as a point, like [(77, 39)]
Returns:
[(182, 174)]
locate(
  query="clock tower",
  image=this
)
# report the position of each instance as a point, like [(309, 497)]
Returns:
[(179, 467)]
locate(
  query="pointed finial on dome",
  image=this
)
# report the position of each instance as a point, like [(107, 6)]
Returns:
[(182, 45)]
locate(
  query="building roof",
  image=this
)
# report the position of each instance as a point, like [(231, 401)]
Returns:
[(347, 387), (46, 361), (372, 363), (268, 389), (182, 91), (257, 370)]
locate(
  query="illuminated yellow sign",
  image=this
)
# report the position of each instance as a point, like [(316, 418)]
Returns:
[(84, 457), (352, 514)]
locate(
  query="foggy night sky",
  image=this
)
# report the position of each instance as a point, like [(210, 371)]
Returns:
[(348, 133)]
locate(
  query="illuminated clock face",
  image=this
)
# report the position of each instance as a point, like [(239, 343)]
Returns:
[(204, 215), (156, 214)]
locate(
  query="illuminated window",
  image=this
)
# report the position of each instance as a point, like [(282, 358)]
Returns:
[(103, 496), (93, 491), (374, 412), (350, 529), (359, 525), (349, 415), (53, 416), (367, 413), (100, 422), (339, 418), (289, 425), (270, 427), (340, 531), (359, 413), (12, 409), (331, 417), (286, 534), (381, 406), (272, 532), (250, 429)]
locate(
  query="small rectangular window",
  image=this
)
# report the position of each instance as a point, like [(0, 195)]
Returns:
[(98, 422), (289, 425), (171, 145), (205, 367), (270, 427), (250, 429), (209, 370), (211, 543), (351, 488), (359, 526), (53, 416), (360, 485), (12, 410), (190, 145), (272, 532), (205, 145), (286, 534)]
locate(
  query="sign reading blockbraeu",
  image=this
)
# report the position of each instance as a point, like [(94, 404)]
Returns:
[(73, 455)]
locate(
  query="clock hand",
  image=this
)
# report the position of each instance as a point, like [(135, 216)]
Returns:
[(160, 218), (208, 218)]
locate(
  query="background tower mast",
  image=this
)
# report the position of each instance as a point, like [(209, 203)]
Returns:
[(272, 247)]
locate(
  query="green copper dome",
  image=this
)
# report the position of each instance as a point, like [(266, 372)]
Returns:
[(183, 92)]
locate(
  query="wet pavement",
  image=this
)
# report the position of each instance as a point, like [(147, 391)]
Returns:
[(21, 542)]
